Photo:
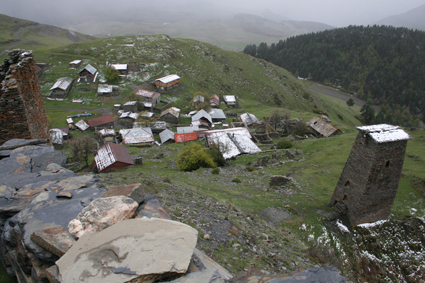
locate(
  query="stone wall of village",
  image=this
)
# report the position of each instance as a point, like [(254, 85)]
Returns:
[(22, 112)]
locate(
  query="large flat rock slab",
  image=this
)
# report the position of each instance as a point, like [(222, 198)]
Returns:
[(153, 209), (134, 249), (56, 240), (134, 191), (102, 213)]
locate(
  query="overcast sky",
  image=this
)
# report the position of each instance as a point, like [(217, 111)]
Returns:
[(337, 13)]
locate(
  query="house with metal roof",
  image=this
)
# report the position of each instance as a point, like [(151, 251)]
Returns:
[(112, 156), (88, 74), (149, 98), (231, 145), (128, 118), (215, 101), (121, 68), (75, 64), (249, 119), (137, 136), (82, 126), (203, 115), (167, 82), (212, 134), (56, 137), (217, 115), (171, 115), (321, 128), (166, 135), (105, 121), (130, 106), (230, 100), (62, 87), (105, 90)]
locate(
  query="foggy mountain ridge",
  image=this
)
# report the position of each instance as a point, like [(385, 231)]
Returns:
[(413, 19)]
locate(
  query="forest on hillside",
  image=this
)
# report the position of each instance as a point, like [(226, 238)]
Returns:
[(382, 64)]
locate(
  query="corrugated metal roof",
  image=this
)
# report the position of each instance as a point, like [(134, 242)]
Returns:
[(105, 89), (130, 103), (185, 130), (200, 123), (217, 114), (69, 120), (202, 114), (111, 153), (92, 70), (107, 132), (322, 127), (166, 135), (215, 100), (385, 133), (56, 136), (98, 121), (147, 104), (137, 135), (147, 114), (146, 93), (82, 125), (229, 98), (172, 110), (185, 137), (211, 134), (62, 83), (129, 115), (168, 79), (231, 145), (75, 62), (249, 119), (120, 67)]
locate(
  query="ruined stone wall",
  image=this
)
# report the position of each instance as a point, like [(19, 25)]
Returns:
[(369, 181), (22, 112)]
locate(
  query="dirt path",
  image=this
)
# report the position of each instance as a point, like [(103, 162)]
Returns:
[(340, 95)]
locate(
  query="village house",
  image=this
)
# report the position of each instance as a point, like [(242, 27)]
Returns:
[(128, 118), (130, 106), (117, 107), (167, 82), (88, 74), (82, 126), (104, 122), (215, 101), (203, 115), (166, 136), (105, 90), (217, 115), (75, 64), (202, 124), (185, 134), (321, 128), (137, 136), (121, 68), (62, 87), (56, 137), (112, 156), (149, 98), (230, 100), (106, 135), (171, 115), (249, 119), (369, 181)]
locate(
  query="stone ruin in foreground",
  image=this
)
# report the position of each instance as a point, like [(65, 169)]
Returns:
[(368, 184)]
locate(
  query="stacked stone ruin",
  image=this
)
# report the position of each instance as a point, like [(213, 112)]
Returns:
[(22, 112)]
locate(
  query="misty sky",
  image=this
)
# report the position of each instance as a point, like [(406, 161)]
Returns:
[(337, 13)]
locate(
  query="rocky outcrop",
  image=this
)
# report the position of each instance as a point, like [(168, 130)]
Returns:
[(134, 249), (102, 213)]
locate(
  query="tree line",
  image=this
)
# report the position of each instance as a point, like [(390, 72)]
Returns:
[(382, 63)]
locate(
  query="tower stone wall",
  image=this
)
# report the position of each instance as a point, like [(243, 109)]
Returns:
[(369, 181), (22, 112)]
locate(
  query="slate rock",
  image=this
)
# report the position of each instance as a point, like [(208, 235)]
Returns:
[(299, 152), (40, 162), (153, 209), (279, 180), (64, 195), (77, 182), (290, 154), (102, 213), (131, 250), (134, 191), (11, 206), (56, 240), (207, 275), (211, 264), (6, 191), (46, 211)]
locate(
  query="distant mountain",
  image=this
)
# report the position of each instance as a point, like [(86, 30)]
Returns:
[(414, 19)]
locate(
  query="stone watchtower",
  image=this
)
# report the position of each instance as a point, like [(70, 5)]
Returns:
[(22, 112), (368, 184)]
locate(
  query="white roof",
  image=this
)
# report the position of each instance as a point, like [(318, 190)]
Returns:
[(185, 130), (137, 135), (120, 67), (147, 114), (69, 120), (202, 114), (62, 83), (107, 132), (249, 119), (147, 104), (75, 62), (385, 133), (232, 145), (131, 115), (92, 70), (117, 105), (104, 88), (168, 79), (217, 114), (104, 157), (229, 98), (130, 103), (166, 135), (82, 125)]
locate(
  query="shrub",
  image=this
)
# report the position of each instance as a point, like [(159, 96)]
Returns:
[(216, 171), (216, 155), (250, 168), (193, 157), (112, 74), (236, 180), (283, 144), (81, 148), (301, 129)]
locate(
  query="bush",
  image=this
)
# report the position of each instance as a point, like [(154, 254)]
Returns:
[(112, 74), (216, 171), (301, 129), (250, 168), (283, 144), (193, 157), (216, 155), (236, 180)]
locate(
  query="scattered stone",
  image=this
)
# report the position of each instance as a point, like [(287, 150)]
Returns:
[(290, 154), (64, 195), (207, 237), (102, 213), (131, 250), (134, 191), (279, 180), (138, 161), (52, 274), (299, 152), (152, 209), (6, 191), (56, 240), (263, 160)]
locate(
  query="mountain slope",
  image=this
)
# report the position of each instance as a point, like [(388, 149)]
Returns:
[(413, 19)]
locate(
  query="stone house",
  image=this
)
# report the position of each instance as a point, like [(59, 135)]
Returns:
[(215, 101), (62, 87), (171, 115), (105, 122), (149, 98), (368, 184), (321, 128), (130, 106), (105, 90), (75, 64), (167, 82), (88, 74), (128, 118), (230, 100), (202, 114), (137, 136), (249, 119)]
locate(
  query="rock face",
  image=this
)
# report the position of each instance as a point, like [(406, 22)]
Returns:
[(134, 191), (56, 240), (152, 209), (102, 213), (130, 250)]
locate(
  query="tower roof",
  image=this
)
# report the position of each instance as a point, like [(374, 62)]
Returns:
[(385, 133)]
